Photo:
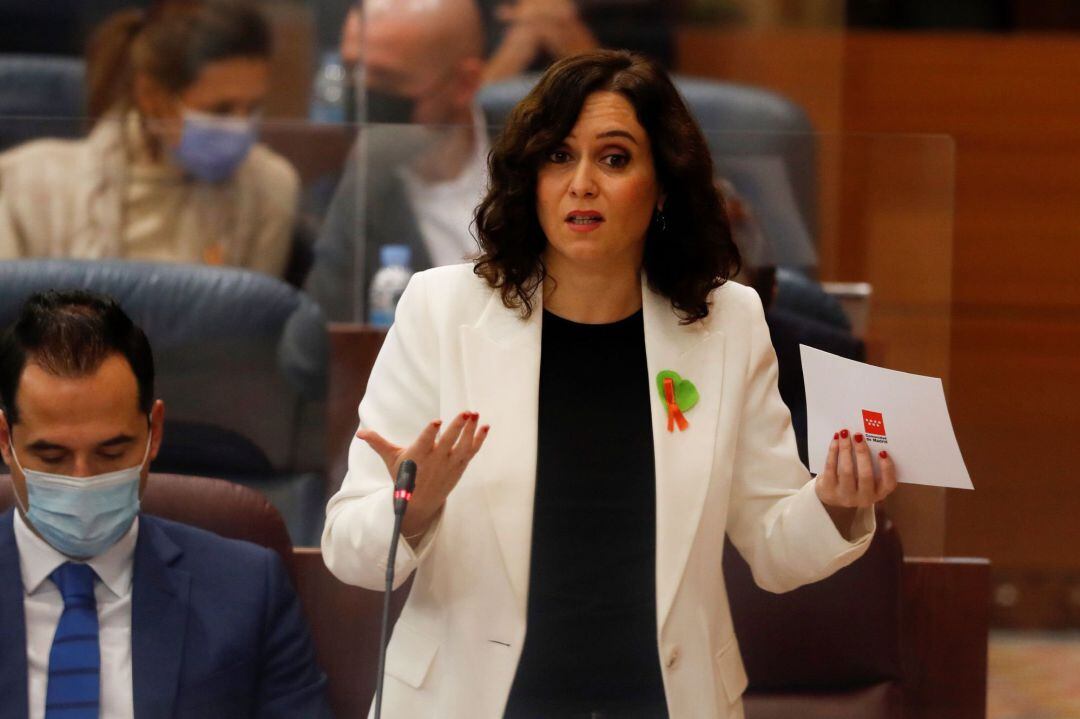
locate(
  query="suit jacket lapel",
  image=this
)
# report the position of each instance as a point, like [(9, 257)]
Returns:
[(683, 459), (13, 686), (502, 377), (159, 609)]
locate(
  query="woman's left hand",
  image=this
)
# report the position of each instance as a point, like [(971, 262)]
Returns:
[(848, 482)]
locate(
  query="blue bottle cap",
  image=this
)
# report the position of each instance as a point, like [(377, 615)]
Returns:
[(391, 255)]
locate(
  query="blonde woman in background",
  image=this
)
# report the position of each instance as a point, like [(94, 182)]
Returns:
[(170, 170)]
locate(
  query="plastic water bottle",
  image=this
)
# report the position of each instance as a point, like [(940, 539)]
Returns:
[(328, 100), (388, 283)]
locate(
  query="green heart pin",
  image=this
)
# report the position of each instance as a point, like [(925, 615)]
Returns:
[(678, 395)]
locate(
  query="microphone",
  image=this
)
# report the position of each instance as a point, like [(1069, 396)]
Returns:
[(403, 490), (404, 486)]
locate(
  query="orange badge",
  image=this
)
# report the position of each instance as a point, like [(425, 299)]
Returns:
[(675, 415)]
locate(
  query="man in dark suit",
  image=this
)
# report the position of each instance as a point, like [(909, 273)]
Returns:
[(104, 611), (419, 167)]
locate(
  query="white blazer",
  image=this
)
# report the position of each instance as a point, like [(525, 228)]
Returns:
[(455, 347)]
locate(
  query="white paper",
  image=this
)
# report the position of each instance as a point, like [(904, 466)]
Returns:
[(903, 413)]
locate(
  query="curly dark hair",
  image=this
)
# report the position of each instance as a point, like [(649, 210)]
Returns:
[(686, 257)]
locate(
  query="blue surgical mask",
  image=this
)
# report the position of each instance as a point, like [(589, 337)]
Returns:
[(212, 147), (82, 516)]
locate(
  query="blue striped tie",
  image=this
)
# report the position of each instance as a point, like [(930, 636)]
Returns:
[(74, 661)]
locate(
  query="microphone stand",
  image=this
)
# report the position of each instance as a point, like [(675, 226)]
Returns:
[(403, 489)]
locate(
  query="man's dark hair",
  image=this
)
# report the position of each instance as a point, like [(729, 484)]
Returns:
[(69, 334), (686, 258)]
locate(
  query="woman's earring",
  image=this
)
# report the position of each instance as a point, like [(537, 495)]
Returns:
[(659, 220)]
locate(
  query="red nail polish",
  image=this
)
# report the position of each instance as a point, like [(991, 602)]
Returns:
[(883, 454), (843, 433), (836, 435), (858, 438)]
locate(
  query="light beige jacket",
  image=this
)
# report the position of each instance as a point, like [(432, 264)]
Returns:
[(735, 471), (65, 199)]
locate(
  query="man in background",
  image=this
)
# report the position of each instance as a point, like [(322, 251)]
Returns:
[(419, 167)]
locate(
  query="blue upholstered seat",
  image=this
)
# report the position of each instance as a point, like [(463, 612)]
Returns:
[(41, 96), (241, 364)]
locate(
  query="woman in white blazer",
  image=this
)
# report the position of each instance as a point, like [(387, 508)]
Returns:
[(570, 564)]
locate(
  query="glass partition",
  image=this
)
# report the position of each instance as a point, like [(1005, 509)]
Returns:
[(866, 220), (847, 235), (858, 226), (211, 268), (415, 47), (886, 250)]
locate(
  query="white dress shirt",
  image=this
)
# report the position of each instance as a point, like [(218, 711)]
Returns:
[(43, 605), (444, 210)]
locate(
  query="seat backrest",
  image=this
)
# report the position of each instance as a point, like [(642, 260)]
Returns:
[(40, 96), (224, 508), (841, 632), (798, 293), (760, 141), (234, 349)]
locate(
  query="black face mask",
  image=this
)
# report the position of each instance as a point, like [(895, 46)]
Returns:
[(389, 107)]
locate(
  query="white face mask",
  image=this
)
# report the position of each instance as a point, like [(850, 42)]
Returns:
[(82, 516)]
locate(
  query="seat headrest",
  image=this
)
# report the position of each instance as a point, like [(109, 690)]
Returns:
[(41, 96), (186, 306), (42, 86)]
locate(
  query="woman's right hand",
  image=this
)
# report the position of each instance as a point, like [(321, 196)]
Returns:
[(440, 459)]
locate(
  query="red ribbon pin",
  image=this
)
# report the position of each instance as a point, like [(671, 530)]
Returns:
[(674, 414)]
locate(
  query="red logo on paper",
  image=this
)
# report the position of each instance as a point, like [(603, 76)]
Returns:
[(874, 424)]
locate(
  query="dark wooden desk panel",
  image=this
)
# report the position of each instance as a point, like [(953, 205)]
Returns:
[(943, 640), (353, 349), (944, 637), (345, 628)]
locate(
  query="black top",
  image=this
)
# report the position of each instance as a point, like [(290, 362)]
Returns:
[(591, 639)]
